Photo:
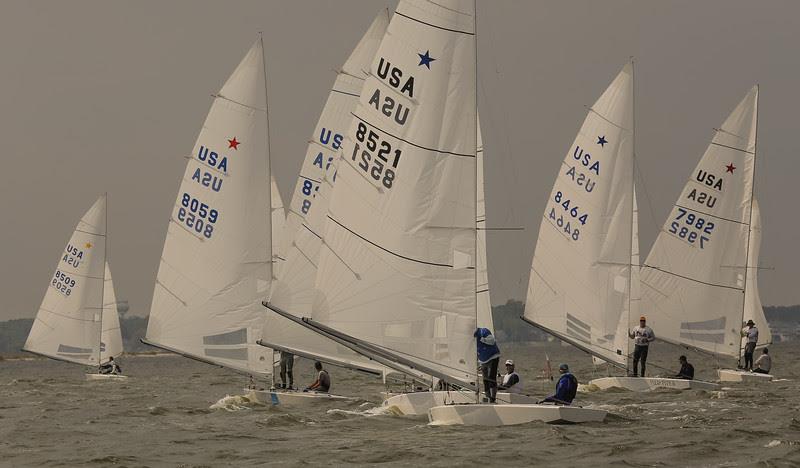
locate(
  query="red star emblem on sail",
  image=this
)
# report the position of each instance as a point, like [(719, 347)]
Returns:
[(233, 143), (730, 168)]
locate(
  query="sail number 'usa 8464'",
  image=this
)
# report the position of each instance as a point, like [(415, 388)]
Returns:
[(375, 166), (197, 216), (563, 215)]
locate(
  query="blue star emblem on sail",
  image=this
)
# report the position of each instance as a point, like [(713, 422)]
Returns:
[(601, 140), (426, 59)]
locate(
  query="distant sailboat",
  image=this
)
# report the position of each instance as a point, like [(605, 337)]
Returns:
[(695, 280), (217, 261), (77, 321)]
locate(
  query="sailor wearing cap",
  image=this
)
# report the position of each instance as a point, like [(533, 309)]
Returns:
[(511, 381), (566, 388), (642, 337), (751, 333)]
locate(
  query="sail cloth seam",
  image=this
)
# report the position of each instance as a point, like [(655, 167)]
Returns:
[(90, 233), (187, 230), (310, 178), (433, 150), (712, 215), (220, 96), (159, 283), (733, 148), (686, 278), (433, 25), (387, 250), (66, 316), (607, 120), (345, 93)]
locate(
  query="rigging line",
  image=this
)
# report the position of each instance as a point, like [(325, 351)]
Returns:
[(90, 233), (644, 265), (433, 150), (345, 93), (385, 249), (397, 13), (712, 215), (171, 293), (346, 73), (733, 148), (223, 97)]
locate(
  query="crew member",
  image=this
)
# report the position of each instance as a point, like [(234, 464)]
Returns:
[(488, 358), (511, 381), (687, 370), (323, 382), (751, 335), (287, 362), (110, 367), (566, 388), (764, 362), (642, 337)]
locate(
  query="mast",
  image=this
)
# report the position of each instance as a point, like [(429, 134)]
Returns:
[(270, 256), (475, 184), (749, 224), (633, 204), (103, 288)]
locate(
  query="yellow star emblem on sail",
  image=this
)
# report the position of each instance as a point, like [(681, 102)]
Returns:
[(88, 245)]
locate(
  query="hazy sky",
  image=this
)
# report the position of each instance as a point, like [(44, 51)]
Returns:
[(104, 95)]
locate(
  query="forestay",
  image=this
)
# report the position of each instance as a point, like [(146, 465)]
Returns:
[(293, 291), (67, 325), (216, 265), (753, 310), (397, 269), (694, 277), (580, 276), (111, 335)]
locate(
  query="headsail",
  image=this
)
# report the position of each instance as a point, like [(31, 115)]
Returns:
[(293, 291), (67, 326), (753, 310), (694, 277), (580, 276), (485, 319), (397, 269), (217, 260), (111, 335)]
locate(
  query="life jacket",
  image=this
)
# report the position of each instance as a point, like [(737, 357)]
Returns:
[(487, 346), (517, 387)]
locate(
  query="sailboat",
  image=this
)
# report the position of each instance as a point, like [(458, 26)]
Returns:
[(78, 321), (293, 287), (218, 257), (694, 281)]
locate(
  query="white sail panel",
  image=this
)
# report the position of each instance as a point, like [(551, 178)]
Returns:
[(580, 273), (216, 264), (111, 334), (753, 310), (293, 290), (483, 294), (278, 229), (693, 278), (67, 325), (397, 268)]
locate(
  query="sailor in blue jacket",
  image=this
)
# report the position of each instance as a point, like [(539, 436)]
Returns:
[(488, 358), (566, 388)]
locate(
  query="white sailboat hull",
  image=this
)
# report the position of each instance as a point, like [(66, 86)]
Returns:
[(647, 384), (738, 375), (508, 415), (106, 377), (419, 403), (293, 397)]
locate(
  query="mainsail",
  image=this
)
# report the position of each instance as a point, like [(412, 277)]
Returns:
[(580, 276), (68, 324), (397, 269), (753, 310), (693, 280), (216, 265), (293, 290)]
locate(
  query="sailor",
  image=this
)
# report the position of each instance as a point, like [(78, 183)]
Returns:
[(110, 367), (488, 358), (566, 388), (287, 362), (687, 370), (764, 362), (751, 334), (323, 382), (642, 337), (511, 381)]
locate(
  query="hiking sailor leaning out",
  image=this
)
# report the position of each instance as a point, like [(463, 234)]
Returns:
[(642, 337)]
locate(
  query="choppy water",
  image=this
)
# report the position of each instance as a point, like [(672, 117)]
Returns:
[(180, 413)]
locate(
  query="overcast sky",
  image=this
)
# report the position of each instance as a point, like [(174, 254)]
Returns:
[(105, 95)]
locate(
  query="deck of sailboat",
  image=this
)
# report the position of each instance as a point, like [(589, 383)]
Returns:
[(512, 414), (740, 375), (292, 397), (647, 384), (419, 403)]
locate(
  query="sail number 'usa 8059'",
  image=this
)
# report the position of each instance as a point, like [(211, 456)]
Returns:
[(375, 166), (197, 216), (691, 228), (563, 215)]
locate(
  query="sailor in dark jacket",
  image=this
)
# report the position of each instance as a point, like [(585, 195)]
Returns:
[(488, 358), (566, 388), (687, 370)]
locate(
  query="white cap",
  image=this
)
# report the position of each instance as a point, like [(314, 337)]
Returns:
[(509, 362)]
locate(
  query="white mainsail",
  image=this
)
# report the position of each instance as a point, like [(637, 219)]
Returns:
[(278, 227), (397, 270), (693, 280), (67, 326), (293, 290), (111, 334), (216, 265), (483, 295), (753, 310), (580, 275)]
